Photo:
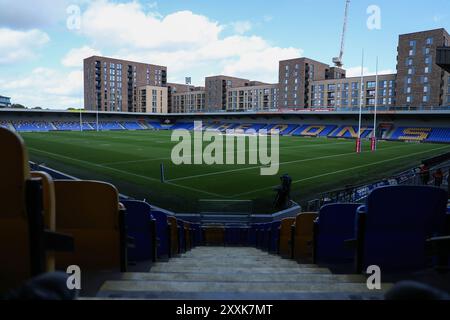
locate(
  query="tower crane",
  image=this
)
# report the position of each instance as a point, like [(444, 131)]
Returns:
[(338, 60)]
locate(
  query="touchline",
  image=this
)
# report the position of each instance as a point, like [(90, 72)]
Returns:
[(208, 148)]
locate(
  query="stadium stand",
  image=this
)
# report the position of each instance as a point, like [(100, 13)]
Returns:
[(141, 230), (302, 236), (39, 126), (394, 225), (131, 125), (158, 126), (350, 132), (314, 130), (97, 226), (285, 242), (334, 225), (421, 134), (71, 126), (283, 129)]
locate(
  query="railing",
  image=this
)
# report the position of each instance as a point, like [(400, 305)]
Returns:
[(358, 194)]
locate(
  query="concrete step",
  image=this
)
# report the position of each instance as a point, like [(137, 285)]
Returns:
[(241, 263), (248, 277), (234, 287), (235, 269)]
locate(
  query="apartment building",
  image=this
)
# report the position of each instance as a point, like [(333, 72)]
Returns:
[(346, 92), (295, 77), (150, 99), (112, 84), (191, 101), (5, 102), (420, 81), (216, 91), (254, 97)]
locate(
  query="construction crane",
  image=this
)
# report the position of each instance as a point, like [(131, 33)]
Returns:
[(338, 60)]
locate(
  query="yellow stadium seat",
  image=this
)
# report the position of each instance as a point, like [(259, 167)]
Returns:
[(303, 234), (90, 211), (188, 236), (214, 235), (286, 237), (48, 204), (14, 235), (173, 235), (25, 234)]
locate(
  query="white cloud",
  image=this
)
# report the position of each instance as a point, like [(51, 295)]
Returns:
[(75, 57), (126, 24), (19, 45), (241, 27), (47, 88), (356, 72), (183, 41)]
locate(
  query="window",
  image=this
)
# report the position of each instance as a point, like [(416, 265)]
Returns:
[(412, 43), (371, 84), (410, 71), (383, 84), (427, 70), (428, 60), (409, 80), (425, 79), (425, 99), (408, 99), (427, 51), (429, 41), (408, 90), (409, 62), (425, 89)]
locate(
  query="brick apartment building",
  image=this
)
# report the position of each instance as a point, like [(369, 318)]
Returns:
[(253, 97), (186, 98), (113, 84), (420, 82)]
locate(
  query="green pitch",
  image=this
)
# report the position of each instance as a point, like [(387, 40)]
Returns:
[(131, 161)]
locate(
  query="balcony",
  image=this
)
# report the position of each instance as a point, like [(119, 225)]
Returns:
[(443, 58)]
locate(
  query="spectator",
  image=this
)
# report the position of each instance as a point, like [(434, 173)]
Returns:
[(424, 174), (438, 177)]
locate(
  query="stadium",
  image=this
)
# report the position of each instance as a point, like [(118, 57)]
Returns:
[(191, 225), (119, 181)]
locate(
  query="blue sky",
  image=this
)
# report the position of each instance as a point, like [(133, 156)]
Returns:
[(41, 58)]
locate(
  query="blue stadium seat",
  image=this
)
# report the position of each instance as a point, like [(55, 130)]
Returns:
[(274, 236), (162, 231), (236, 235), (141, 226), (392, 229), (335, 225), (132, 125)]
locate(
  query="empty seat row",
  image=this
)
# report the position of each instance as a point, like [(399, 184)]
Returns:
[(48, 225), (400, 229)]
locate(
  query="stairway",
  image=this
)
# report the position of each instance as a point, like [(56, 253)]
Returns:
[(228, 273)]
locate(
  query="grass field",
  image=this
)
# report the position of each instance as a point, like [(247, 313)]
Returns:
[(131, 161)]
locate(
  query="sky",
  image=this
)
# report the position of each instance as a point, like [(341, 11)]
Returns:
[(43, 42)]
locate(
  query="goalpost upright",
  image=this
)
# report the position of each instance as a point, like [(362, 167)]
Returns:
[(374, 132), (358, 140)]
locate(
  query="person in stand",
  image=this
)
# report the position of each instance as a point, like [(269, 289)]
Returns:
[(424, 174), (438, 176), (283, 198)]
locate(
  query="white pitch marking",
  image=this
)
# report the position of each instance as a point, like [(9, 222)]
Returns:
[(127, 173), (339, 171), (281, 163)]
